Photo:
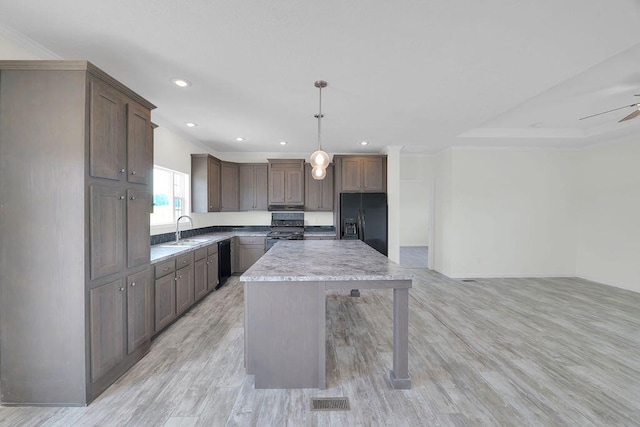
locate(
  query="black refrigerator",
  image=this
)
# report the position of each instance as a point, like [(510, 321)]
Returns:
[(364, 216)]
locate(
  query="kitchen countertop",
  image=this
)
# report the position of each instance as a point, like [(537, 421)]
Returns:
[(324, 260), (319, 234), (163, 251)]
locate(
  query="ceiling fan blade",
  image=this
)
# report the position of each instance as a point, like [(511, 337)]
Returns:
[(608, 111), (631, 116)]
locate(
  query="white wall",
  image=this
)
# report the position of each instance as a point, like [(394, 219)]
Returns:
[(443, 230), (415, 187), (393, 202), (513, 213), (608, 223), (173, 151)]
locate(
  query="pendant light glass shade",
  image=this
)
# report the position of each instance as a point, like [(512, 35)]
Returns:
[(318, 173), (319, 159)]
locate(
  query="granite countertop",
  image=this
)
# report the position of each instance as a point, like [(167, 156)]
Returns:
[(164, 251), (319, 234), (324, 260)]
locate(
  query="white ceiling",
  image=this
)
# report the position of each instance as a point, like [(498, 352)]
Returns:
[(422, 74)]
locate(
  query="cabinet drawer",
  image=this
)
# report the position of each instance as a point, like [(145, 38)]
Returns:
[(253, 240), (165, 268), (200, 253), (184, 260), (212, 249)]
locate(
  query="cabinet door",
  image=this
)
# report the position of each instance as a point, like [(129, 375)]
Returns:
[(229, 187), (373, 174), (107, 230), (351, 174), (277, 186), (213, 190), (138, 229), (106, 305), (138, 309), (184, 289), (261, 187), (318, 194), (249, 254), (139, 145), (200, 278), (247, 187), (294, 186), (165, 301), (106, 133), (212, 272)]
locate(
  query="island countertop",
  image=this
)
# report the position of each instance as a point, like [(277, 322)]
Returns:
[(324, 260)]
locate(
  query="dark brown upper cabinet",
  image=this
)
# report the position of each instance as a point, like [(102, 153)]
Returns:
[(286, 182), (229, 194), (205, 183), (363, 173), (318, 194), (253, 186)]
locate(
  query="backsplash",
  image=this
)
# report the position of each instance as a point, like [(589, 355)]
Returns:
[(169, 237)]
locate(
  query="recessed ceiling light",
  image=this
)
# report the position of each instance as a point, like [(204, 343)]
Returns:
[(191, 124), (180, 82), (364, 143), (283, 142), (239, 139)]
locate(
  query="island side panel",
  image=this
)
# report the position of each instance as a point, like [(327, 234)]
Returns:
[(285, 334)]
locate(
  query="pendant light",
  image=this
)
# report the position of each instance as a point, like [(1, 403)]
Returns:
[(319, 159)]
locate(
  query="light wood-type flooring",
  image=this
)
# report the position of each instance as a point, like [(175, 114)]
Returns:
[(511, 352), (414, 256)]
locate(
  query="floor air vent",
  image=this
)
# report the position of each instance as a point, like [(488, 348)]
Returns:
[(330, 404), (468, 280)]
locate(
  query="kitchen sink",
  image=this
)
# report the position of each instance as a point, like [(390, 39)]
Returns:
[(186, 242)]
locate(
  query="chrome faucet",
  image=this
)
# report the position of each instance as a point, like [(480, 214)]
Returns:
[(178, 226)]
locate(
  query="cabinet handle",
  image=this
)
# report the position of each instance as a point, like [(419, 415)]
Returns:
[(121, 289), (179, 277), (133, 283), (184, 261), (133, 172), (175, 278), (121, 170), (133, 198), (121, 197), (165, 269)]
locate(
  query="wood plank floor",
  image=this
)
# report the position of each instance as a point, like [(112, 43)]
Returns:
[(414, 256), (512, 352)]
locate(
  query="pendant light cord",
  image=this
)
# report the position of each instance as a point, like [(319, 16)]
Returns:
[(319, 120)]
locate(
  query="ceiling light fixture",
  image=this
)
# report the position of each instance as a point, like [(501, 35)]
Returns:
[(191, 124), (239, 139), (283, 142), (319, 159), (364, 143), (180, 82)]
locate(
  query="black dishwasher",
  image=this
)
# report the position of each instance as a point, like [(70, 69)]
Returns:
[(224, 262)]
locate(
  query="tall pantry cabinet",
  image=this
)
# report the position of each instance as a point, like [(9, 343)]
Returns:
[(76, 163)]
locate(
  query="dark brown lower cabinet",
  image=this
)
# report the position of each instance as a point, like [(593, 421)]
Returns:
[(184, 289), (107, 304), (120, 315), (200, 278), (165, 301), (138, 310), (250, 249)]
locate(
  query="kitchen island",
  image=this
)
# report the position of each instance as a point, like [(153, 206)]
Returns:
[(285, 298)]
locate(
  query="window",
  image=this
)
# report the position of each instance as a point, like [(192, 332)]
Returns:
[(169, 195)]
